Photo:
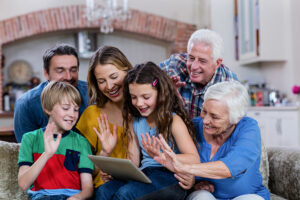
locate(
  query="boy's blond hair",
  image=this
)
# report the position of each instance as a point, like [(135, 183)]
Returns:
[(55, 92)]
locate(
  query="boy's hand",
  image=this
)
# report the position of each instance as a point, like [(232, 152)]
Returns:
[(50, 144), (108, 140)]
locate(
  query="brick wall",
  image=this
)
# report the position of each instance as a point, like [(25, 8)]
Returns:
[(72, 18)]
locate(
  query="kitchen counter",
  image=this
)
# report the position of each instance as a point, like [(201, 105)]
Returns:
[(279, 126), (273, 108)]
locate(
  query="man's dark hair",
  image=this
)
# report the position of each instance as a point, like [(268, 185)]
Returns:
[(60, 49)]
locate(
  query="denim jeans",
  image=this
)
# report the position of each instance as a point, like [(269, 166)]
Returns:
[(129, 190), (52, 197), (174, 192)]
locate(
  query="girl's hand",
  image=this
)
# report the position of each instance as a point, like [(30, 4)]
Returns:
[(186, 180), (108, 140), (105, 177), (151, 146), (51, 145), (205, 185)]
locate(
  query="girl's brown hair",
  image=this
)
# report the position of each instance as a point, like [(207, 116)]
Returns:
[(104, 55), (167, 103)]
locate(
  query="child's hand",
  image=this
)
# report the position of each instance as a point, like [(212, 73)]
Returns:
[(50, 144), (107, 139), (151, 146)]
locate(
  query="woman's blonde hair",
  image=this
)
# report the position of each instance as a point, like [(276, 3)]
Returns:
[(104, 55)]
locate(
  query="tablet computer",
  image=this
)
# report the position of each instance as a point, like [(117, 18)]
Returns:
[(123, 169)]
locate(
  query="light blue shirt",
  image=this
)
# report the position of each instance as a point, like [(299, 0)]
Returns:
[(140, 126), (241, 154)]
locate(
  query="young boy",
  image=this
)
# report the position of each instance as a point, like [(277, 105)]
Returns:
[(54, 160)]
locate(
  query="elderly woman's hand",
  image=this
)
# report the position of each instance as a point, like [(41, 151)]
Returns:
[(168, 158), (186, 181), (205, 185)]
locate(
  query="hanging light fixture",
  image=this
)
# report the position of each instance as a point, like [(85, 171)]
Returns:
[(109, 11)]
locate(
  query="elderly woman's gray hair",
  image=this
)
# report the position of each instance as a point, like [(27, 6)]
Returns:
[(209, 37), (234, 94)]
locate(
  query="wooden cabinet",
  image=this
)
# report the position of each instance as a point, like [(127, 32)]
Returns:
[(260, 30), (279, 126)]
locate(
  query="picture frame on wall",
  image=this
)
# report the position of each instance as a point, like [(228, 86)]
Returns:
[(86, 43), (246, 29)]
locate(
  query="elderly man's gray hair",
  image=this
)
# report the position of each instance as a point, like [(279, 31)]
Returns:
[(209, 37)]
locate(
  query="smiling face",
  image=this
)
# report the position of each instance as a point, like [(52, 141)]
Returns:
[(63, 68), (215, 118), (64, 114), (200, 64), (110, 81), (143, 98)]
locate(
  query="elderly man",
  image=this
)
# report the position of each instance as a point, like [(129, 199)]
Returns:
[(61, 64), (201, 67)]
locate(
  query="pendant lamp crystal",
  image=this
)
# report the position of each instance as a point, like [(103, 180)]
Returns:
[(108, 11)]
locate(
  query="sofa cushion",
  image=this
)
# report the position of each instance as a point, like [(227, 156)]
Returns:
[(276, 197), (9, 188), (284, 169)]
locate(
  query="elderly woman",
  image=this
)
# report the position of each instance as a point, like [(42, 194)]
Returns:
[(229, 148)]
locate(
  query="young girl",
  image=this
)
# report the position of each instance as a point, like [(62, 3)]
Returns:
[(151, 106)]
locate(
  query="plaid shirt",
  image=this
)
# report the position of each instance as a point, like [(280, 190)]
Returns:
[(191, 95)]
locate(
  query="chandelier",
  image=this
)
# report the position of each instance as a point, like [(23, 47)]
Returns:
[(109, 12)]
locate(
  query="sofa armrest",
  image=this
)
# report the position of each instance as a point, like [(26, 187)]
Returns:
[(284, 167), (9, 188)]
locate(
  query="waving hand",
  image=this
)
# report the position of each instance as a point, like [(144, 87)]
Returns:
[(108, 140)]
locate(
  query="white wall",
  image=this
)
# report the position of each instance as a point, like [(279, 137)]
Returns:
[(138, 49), (215, 14), (187, 11), (278, 75), (222, 15)]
